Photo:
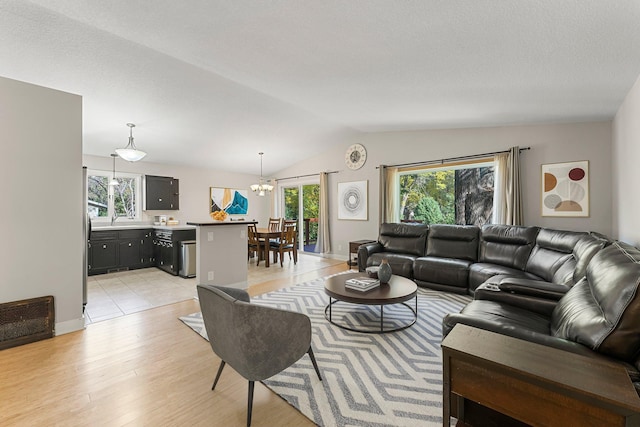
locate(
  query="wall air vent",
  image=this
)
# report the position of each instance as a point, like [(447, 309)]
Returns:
[(26, 321)]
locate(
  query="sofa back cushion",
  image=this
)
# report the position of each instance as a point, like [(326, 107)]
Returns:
[(585, 250), (408, 239), (508, 245), (554, 249), (602, 311), (453, 241)]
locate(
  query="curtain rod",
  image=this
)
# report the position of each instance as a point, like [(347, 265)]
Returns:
[(302, 176), (453, 159)]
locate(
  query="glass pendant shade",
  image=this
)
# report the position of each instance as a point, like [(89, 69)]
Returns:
[(261, 188), (130, 153)]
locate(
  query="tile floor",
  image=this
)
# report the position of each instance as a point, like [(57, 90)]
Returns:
[(116, 294)]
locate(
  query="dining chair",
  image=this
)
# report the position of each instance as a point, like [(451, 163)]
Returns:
[(274, 224), (255, 246), (288, 242), (255, 340)]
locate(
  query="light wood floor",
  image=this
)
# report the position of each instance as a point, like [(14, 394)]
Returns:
[(145, 368)]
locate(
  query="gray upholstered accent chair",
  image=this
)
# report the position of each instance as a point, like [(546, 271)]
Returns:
[(257, 341)]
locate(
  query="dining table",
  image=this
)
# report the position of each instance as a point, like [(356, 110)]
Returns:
[(264, 235)]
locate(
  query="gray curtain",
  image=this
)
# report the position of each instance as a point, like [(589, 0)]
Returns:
[(389, 200), (323, 245), (507, 202)]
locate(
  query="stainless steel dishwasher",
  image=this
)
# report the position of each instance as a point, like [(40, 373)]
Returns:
[(187, 258)]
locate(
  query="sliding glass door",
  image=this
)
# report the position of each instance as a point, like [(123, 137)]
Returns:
[(301, 202)]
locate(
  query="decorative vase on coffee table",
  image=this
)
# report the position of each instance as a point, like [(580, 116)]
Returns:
[(384, 272)]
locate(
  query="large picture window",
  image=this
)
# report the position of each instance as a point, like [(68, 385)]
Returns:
[(448, 194), (105, 202)]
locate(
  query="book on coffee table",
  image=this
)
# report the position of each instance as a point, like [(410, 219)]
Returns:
[(361, 283)]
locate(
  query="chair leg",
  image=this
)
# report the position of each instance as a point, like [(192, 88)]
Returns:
[(222, 363), (313, 360), (281, 258), (250, 403)]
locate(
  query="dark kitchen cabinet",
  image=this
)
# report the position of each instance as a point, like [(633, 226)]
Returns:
[(120, 250), (103, 251), (136, 248), (162, 193), (146, 249), (129, 252)]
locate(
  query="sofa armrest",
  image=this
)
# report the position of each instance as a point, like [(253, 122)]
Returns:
[(365, 251), (534, 288)]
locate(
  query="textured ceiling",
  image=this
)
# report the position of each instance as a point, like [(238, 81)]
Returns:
[(211, 83)]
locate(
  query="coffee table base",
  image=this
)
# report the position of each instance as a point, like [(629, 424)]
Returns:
[(332, 301)]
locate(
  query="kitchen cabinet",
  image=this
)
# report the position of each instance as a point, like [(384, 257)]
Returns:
[(146, 249), (129, 248), (120, 250), (103, 252), (162, 193), (114, 250)]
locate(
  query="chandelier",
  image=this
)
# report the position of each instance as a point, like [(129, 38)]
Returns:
[(130, 153), (261, 187)]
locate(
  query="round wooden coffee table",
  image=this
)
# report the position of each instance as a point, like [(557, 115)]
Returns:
[(397, 291)]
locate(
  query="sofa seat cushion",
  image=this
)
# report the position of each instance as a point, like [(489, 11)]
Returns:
[(491, 292), (523, 324), (602, 311), (480, 272), (401, 264), (497, 317), (445, 271)]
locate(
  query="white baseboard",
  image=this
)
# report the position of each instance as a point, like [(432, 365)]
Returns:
[(69, 326)]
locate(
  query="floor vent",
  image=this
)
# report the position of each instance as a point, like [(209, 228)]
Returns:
[(26, 321)]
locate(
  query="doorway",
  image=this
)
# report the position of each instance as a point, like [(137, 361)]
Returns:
[(301, 202)]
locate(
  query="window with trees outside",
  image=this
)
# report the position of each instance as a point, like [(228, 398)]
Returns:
[(105, 201), (448, 194)]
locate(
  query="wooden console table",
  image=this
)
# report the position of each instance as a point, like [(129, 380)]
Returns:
[(532, 383)]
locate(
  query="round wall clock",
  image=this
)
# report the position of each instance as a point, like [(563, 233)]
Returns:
[(356, 156)]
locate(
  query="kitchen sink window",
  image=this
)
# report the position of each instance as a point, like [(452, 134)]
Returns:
[(109, 203)]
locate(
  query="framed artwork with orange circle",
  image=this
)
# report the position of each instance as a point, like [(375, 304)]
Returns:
[(565, 189)]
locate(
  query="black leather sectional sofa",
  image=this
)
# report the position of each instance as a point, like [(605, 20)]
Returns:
[(576, 291)]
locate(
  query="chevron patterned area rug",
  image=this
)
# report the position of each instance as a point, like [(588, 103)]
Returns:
[(392, 379)]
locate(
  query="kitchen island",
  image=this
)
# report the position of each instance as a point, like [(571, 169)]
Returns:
[(221, 253)]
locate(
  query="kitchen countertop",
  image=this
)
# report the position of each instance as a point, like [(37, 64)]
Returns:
[(199, 224), (140, 227)]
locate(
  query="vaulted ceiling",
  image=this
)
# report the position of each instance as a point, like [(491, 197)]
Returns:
[(210, 83)]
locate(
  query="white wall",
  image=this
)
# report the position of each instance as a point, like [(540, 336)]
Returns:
[(549, 144), (194, 188), (626, 159), (42, 209)]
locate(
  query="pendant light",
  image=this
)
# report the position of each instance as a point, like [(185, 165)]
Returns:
[(114, 181), (130, 153), (261, 188)]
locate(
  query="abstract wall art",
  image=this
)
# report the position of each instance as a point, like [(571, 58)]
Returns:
[(233, 202), (565, 189), (352, 200)]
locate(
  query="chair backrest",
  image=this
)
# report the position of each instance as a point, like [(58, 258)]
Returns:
[(274, 224), (289, 234), (252, 234), (268, 341)]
